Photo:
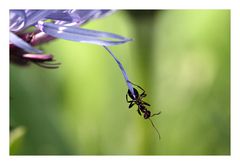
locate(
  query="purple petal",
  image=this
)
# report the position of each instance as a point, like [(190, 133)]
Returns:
[(130, 87), (77, 16), (33, 16), (81, 35), (60, 15), (17, 20), (22, 19)]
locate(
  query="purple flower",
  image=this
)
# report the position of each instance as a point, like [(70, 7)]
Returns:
[(47, 25)]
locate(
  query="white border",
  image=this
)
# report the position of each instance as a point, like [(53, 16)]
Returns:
[(4, 85), (235, 83), (121, 4)]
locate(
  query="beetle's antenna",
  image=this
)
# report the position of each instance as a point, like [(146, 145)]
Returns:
[(159, 137)]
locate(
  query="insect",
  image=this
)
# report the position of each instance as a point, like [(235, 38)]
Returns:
[(142, 109)]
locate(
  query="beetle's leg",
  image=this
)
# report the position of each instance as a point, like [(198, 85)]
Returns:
[(130, 98), (127, 99), (145, 103), (143, 94), (139, 112), (137, 86), (131, 104)]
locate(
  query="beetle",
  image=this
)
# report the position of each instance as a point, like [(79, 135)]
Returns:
[(137, 99)]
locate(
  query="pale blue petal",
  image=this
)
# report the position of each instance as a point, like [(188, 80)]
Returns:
[(83, 16), (17, 20), (60, 15), (22, 19), (77, 16), (81, 35), (33, 16), (17, 41), (130, 87)]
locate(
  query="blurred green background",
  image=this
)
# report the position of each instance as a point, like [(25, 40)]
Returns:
[(180, 57)]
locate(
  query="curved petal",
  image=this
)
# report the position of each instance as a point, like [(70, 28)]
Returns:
[(130, 87), (33, 16), (77, 16), (81, 35), (60, 15), (17, 41), (22, 19), (82, 16), (17, 20)]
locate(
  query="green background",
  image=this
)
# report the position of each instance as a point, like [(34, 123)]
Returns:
[(180, 57)]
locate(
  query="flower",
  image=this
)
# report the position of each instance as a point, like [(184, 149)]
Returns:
[(29, 28)]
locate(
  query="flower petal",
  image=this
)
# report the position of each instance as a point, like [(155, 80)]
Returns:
[(130, 87), (22, 19), (81, 35), (60, 15), (83, 16), (77, 16), (33, 16), (17, 20), (17, 41)]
